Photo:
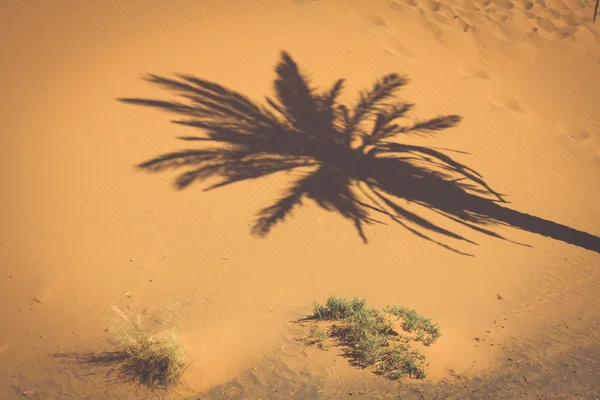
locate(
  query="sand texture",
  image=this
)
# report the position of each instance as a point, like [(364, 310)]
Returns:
[(514, 285)]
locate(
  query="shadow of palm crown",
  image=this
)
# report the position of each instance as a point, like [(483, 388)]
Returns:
[(348, 159)]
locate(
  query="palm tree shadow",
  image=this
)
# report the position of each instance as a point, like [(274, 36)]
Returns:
[(348, 159)]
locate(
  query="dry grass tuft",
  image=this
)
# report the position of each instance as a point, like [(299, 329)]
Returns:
[(153, 361), (156, 361)]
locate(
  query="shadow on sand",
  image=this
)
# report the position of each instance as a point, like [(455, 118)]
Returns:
[(348, 160)]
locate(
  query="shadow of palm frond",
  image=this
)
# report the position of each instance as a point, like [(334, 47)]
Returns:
[(348, 159)]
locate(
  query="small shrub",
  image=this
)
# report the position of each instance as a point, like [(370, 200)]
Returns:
[(369, 337), (370, 348), (401, 360), (367, 320), (427, 332), (156, 361), (336, 308)]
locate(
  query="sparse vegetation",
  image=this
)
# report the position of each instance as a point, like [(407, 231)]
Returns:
[(401, 360), (155, 361), (370, 339), (317, 337), (339, 308), (152, 361), (427, 332)]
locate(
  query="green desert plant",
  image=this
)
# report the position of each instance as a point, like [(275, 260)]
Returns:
[(336, 308), (427, 331), (317, 337), (400, 361), (369, 337), (156, 361)]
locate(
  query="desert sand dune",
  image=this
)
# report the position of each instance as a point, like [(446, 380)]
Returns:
[(83, 228)]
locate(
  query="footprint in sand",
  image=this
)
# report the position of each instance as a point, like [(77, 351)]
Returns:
[(546, 25), (515, 29), (410, 3), (483, 3), (573, 20), (496, 16), (566, 31), (574, 131), (550, 29), (551, 12), (557, 4), (503, 4), (525, 5), (455, 22), (573, 4), (506, 101), (396, 47)]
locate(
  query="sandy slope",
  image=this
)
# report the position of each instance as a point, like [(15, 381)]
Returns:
[(81, 227)]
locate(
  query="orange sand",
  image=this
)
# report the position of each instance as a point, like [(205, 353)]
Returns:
[(81, 227)]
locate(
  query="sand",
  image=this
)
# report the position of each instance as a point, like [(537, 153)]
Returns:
[(81, 226)]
